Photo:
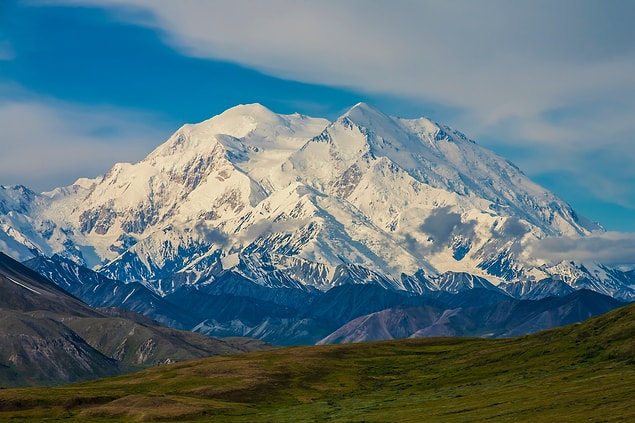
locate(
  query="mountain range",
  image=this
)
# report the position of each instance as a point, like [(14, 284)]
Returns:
[(288, 227)]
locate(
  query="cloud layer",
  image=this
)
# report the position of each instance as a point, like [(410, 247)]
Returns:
[(499, 60)]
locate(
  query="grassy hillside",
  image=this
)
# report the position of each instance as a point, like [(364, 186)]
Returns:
[(584, 372)]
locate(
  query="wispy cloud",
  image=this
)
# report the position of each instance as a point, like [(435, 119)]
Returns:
[(6, 51), (499, 60), (609, 248), (50, 143)]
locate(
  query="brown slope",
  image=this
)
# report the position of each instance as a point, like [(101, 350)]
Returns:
[(36, 348), (506, 318), (49, 337), (24, 290), (40, 350), (136, 341)]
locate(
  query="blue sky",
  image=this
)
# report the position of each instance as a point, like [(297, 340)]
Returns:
[(549, 85)]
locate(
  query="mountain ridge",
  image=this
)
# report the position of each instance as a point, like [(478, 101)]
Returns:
[(234, 305)]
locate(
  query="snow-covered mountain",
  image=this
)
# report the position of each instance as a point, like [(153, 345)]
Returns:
[(289, 201)]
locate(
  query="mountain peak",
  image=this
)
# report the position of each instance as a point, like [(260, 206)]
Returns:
[(365, 115), (255, 110), (238, 121), (385, 134), (363, 107)]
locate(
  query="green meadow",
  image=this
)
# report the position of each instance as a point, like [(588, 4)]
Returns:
[(583, 372)]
